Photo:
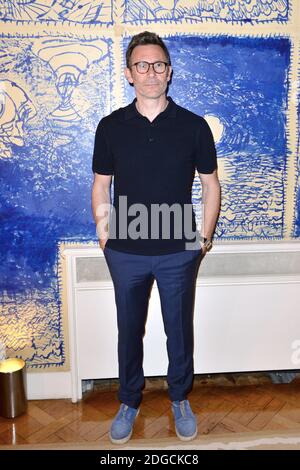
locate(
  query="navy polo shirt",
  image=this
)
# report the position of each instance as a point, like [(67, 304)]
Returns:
[(153, 163)]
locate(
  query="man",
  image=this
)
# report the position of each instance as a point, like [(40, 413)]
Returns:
[(152, 148)]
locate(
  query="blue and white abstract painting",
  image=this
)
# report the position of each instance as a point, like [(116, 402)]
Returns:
[(240, 85), (55, 86), (53, 92), (244, 11), (297, 199), (74, 11)]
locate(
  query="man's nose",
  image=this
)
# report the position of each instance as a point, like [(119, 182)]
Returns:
[(151, 70)]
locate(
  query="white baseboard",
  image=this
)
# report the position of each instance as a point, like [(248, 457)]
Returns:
[(48, 385)]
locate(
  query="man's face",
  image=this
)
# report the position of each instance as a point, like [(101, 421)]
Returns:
[(150, 85)]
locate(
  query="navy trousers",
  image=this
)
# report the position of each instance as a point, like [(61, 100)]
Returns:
[(132, 277)]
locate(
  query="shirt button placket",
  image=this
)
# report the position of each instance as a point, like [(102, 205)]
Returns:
[(151, 138)]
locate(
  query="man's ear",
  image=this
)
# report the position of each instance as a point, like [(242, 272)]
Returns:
[(127, 73), (169, 73)]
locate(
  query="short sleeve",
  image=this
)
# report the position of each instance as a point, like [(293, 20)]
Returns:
[(102, 156), (206, 155)]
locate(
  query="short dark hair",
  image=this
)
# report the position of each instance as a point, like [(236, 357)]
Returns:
[(143, 39)]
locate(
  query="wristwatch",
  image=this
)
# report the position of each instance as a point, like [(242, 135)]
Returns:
[(206, 243)]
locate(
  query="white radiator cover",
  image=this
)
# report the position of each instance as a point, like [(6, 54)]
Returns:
[(246, 313)]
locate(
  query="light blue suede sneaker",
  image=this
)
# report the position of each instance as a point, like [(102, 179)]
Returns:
[(122, 426), (185, 421)]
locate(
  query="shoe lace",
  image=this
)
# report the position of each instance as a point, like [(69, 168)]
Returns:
[(182, 408), (124, 410)]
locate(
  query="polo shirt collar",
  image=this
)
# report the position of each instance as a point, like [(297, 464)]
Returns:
[(131, 111)]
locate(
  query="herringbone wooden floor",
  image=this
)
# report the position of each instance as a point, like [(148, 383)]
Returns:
[(219, 409)]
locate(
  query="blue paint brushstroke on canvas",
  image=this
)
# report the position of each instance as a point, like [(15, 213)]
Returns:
[(73, 11), (245, 11), (297, 199), (45, 177)]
